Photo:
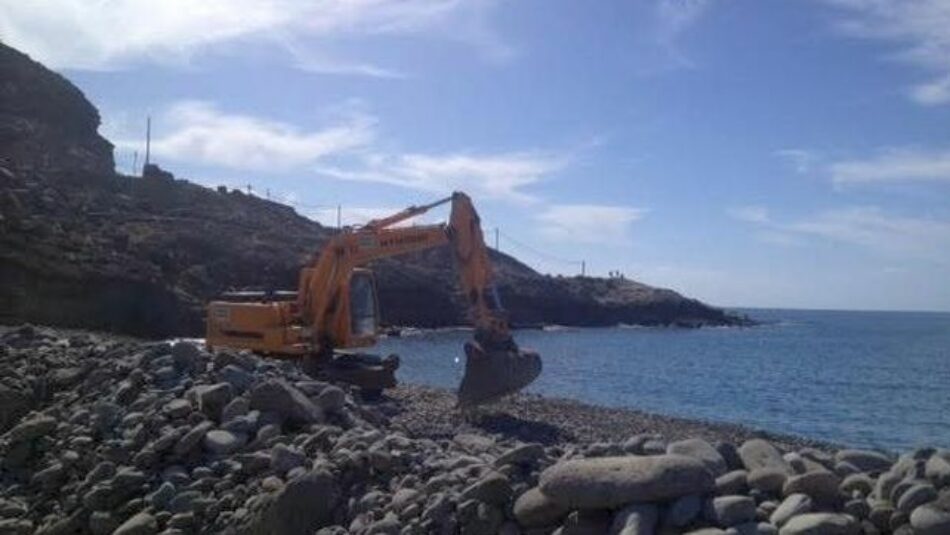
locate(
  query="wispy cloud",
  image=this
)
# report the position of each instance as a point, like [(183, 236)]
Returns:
[(199, 132), (802, 160), (870, 227), (115, 34), (673, 18), (502, 176), (920, 27), (750, 213), (894, 165), (588, 223)]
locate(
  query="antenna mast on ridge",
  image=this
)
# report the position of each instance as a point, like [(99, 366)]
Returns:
[(148, 138)]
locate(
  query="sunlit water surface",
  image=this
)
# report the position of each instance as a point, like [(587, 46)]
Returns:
[(865, 379)]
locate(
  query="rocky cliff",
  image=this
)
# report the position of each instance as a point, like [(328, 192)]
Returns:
[(83, 246)]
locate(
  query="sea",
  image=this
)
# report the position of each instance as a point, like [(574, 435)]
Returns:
[(876, 380)]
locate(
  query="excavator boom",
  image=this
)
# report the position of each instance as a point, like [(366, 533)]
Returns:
[(335, 303)]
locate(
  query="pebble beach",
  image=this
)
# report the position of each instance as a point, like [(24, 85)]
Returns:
[(103, 434)]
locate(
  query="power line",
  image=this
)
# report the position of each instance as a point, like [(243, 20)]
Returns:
[(542, 254)]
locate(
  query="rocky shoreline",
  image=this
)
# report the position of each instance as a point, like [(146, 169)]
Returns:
[(429, 412), (102, 434)]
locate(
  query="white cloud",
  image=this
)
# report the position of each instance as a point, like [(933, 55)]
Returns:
[(114, 34), (678, 16), (932, 93), (198, 132), (673, 19), (750, 213), (489, 175), (922, 27), (869, 227), (802, 160), (873, 228), (588, 223), (895, 165)]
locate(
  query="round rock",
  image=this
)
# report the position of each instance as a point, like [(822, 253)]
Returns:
[(535, 510), (727, 511), (767, 479), (793, 505), (222, 442), (701, 450), (636, 519), (930, 520), (865, 461), (916, 496), (820, 485), (821, 524), (758, 453)]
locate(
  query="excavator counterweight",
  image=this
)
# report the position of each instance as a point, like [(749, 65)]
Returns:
[(335, 308)]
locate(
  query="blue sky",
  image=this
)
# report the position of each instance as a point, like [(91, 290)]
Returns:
[(749, 153)]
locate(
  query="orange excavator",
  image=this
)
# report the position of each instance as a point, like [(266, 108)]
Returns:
[(335, 309)]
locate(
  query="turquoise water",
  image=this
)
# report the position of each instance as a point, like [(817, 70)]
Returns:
[(864, 379)]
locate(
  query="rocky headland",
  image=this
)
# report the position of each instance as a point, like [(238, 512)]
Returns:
[(84, 246), (102, 434)]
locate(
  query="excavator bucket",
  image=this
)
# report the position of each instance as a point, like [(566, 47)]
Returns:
[(495, 371)]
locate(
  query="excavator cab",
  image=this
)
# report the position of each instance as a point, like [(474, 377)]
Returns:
[(364, 306)]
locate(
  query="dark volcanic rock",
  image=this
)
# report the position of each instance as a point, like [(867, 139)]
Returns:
[(46, 122)]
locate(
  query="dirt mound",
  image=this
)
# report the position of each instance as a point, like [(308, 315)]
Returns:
[(83, 246)]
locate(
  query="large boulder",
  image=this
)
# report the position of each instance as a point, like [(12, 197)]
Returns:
[(534, 509), (290, 403), (14, 403), (609, 482), (701, 450), (140, 524), (726, 511), (31, 429), (761, 454), (933, 518), (213, 398), (915, 496), (301, 507), (866, 461), (792, 505), (820, 485), (937, 471), (821, 524)]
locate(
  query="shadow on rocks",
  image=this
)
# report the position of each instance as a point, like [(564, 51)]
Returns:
[(521, 429)]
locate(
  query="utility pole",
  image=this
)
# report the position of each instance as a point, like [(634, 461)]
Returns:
[(496, 239), (339, 216), (135, 162), (267, 192), (249, 189), (148, 139), (583, 268)]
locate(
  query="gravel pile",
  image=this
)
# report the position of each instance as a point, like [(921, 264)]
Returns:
[(109, 435)]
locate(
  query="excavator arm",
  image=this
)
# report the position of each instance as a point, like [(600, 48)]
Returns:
[(322, 284)]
